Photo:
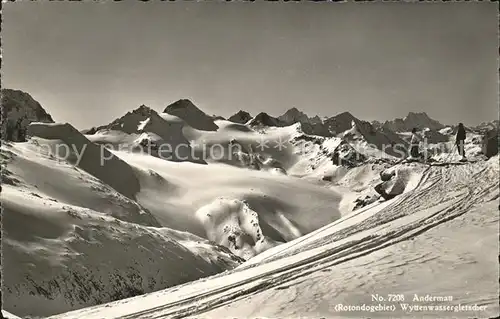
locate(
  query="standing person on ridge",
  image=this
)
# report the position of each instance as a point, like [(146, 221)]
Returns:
[(460, 141), (414, 144)]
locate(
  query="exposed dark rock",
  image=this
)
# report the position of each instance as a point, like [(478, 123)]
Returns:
[(351, 128), (19, 109), (490, 143), (264, 119), (241, 117), (367, 200), (346, 155), (419, 120)]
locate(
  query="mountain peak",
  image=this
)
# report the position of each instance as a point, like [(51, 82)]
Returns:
[(294, 110), (417, 114), (340, 122), (192, 115), (419, 120), (143, 109), (241, 117), (264, 119), (180, 104), (294, 115), (344, 116), (19, 109)]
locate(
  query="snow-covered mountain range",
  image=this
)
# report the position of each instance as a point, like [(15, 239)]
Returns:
[(222, 210), (419, 120)]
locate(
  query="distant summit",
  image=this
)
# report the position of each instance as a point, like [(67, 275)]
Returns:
[(193, 116), (241, 117), (147, 128), (353, 129), (486, 126), (418, 120), (264, 119), (312, 126), (294, 115), (19, 109), (315, 120), (129, 123), (340, 122)]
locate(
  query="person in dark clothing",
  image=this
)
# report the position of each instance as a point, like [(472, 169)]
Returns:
[(414, 144), (460, 140)]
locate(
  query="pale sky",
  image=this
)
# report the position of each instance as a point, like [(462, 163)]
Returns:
[(89, 63)]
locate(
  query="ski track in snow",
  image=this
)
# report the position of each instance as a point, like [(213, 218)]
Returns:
[(380, 241)]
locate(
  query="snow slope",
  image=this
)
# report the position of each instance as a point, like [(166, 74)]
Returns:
[(77, 209), (275, 196), (66, 142), (175, 192), (71, 241), (439, 239), (59, 257), (8, 315)]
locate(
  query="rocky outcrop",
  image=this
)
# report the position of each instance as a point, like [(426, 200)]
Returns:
[(19, 109), (340, 123), (345, 155), (490, 143), (316, 129), (394, 182), (365, 201)]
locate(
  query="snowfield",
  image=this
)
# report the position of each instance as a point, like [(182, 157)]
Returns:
[(262, 221), (70, 241), (177, 194), (438, 240)]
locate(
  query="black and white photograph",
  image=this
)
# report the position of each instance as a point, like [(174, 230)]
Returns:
[(249, 159)]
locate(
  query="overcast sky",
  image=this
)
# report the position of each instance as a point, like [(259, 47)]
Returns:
[(88, 63)]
